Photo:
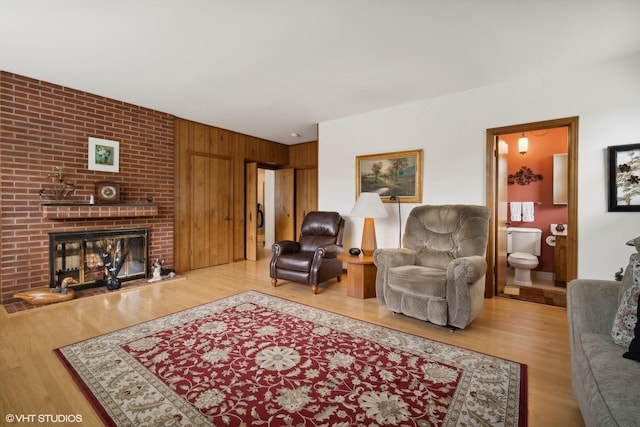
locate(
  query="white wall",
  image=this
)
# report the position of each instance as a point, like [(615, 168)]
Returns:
[(452, 132)]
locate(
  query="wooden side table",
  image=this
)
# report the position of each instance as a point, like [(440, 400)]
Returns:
[(361, 275)]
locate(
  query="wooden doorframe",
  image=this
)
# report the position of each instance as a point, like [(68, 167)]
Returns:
[(251, 211), (572, 180)]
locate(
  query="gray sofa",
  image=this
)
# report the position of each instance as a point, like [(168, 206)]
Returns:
[(606, 386)]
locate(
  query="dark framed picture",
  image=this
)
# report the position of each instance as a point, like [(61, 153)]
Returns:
[(624, 178), (391, 174)]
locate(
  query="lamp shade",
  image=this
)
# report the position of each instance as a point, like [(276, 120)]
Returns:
[(369, 205)]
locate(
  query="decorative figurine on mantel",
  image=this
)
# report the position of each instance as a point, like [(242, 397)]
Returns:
[(60, 189)]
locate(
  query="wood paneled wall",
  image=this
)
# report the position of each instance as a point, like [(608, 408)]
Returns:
[(304, 159), (304, 156), (192, 137)]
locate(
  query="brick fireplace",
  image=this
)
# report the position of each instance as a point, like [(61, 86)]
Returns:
[(43, 126)]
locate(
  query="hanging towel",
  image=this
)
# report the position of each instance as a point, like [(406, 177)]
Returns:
[(516, 211), (527, 212)]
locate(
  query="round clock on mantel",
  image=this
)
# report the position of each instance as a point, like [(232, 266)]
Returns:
[(107, 192)]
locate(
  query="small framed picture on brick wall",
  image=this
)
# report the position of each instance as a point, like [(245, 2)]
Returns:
[(104, 155)]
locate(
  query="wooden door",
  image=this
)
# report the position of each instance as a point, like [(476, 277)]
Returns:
[(284, 205), (210, 207), (502, 219), (251, 211), (306, 194)]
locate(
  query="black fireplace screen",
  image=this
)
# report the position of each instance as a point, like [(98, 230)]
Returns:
[(81, 256)]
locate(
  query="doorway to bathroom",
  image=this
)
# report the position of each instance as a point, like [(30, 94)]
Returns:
[(517, 177)]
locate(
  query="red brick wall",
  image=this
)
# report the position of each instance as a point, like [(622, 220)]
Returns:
[(44, 125)]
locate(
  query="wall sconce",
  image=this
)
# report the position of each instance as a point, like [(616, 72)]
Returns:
[(523, 144)]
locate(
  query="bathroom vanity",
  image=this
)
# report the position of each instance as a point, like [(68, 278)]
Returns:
[(559, 239), (560, 260)]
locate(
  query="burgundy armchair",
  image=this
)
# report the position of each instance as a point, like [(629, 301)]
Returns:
[(313, 259)]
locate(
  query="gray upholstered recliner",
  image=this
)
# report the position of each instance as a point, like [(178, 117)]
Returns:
[(313, 259), (439, 274)]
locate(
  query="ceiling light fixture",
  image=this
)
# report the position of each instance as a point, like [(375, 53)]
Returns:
[(295, 134), (523, 144)]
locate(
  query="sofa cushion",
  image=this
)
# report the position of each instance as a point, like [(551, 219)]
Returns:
[(616, 378), (626, 316), (627, 277), (299, 261), (634, 347), (420, 281)]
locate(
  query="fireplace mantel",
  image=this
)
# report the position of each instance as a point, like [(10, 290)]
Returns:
[(70, 211)]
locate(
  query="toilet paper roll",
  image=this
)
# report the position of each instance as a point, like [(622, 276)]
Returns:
[(551, 240)]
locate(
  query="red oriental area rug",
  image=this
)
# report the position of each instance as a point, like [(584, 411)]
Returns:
[(255, 359)]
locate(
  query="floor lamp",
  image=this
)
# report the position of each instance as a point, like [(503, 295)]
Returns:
[(368, 206), (397, 199)]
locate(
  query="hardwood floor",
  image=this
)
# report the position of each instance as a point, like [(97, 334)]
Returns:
[(33, 381)]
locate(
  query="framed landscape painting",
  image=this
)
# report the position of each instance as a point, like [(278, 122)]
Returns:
[(391, 174), (624, 178)]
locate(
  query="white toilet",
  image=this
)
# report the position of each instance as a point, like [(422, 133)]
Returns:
[(523, 247)]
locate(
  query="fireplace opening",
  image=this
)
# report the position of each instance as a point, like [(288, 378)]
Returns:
[(90, 257)]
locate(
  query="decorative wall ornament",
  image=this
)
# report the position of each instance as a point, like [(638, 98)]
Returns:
[(59, 188), (624, 178), (524, 176)]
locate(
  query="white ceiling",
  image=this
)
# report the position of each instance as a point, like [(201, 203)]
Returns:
[(269, 68)]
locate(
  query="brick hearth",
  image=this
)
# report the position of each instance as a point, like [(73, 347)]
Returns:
[(20, 305)]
